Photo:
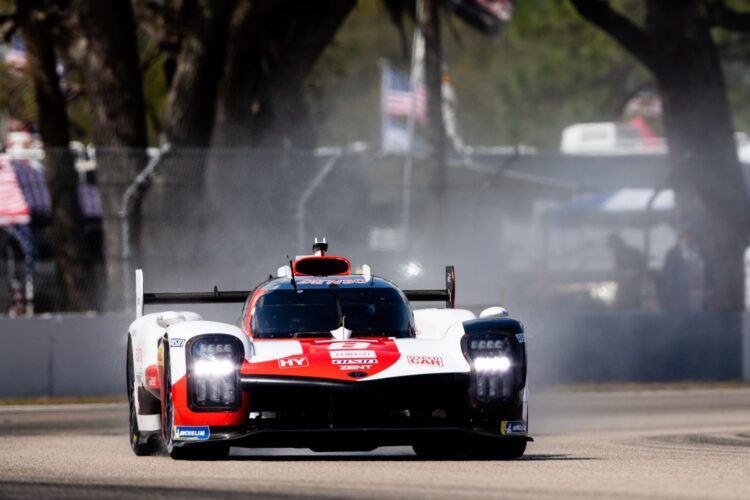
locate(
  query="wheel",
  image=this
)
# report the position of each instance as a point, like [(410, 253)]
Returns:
[(492, 450), (197, 451), (142, 443)]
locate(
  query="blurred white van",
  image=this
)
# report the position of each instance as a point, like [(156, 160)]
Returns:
[(608, 138)]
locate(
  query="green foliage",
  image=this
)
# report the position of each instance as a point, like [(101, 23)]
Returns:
[(16, 96), (548, 70)]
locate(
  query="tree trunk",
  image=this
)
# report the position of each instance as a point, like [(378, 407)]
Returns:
[(176, 197), (191, 103), (70, 247), (435, 209), (107, 55), (273, 47), (285, 115), (243, 72), (676, 45), (705, 171)]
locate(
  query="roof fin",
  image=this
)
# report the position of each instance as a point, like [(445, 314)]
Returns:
[(320, 247)]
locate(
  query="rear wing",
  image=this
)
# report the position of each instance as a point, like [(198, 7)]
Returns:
[(239, 296), (215, 297), (448, 294)]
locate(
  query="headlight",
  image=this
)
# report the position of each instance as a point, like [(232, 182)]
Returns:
[(488, 344), (213, 368), (490, 355), (498, 364), (217, 368)]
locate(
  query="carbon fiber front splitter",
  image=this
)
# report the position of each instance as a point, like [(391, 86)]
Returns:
[(356, 439)]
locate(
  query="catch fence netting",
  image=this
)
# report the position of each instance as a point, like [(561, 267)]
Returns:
[(195, 218)]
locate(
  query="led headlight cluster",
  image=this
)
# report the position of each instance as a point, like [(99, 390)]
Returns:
[(491, 362), (498, 364), (214, 372), (488, 345)]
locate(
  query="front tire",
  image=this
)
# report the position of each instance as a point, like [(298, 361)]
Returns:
[(197, 451), (142, 444)]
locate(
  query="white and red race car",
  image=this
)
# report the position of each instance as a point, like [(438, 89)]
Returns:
[(327, 360)]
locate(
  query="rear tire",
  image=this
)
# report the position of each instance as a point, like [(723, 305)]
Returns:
[(142, 444), (195, 451)]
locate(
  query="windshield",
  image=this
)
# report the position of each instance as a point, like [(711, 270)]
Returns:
[(370, 312)]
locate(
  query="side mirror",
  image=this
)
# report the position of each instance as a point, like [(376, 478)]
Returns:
[(493, 311)]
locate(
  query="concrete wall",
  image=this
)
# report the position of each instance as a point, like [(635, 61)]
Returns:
[(637, 347), (72, 355), (63, 355)]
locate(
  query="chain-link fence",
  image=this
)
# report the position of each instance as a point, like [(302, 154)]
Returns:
[(195, 218)]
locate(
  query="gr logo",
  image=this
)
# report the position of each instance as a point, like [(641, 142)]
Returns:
[(176, 342), (294, 362)]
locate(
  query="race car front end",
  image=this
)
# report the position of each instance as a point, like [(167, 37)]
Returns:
[(333, 363), (462, 394)]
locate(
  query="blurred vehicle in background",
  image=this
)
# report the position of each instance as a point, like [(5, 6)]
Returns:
[(609, 138)]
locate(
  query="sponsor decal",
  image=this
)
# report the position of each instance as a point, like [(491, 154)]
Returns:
[(358, 341), (357, 374), (425, 360), (192, 433), (520, 338), (352, 354), (509, 427), (294, 362), (138, 355), (337, 346), (344, 281), (355, 367), (176, 342), (354, 361)]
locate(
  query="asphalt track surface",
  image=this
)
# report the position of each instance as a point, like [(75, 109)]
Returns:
[(638, 444)]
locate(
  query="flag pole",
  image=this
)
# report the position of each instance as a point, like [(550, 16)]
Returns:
[(415, 80)]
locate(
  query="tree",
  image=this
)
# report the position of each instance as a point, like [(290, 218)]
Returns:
[(273, 48), (102, 44), (71, 251), (676, 45), (191, 102)]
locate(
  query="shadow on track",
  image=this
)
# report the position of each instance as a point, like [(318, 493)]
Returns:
[(25, 490), (552, 457), (364, 457)]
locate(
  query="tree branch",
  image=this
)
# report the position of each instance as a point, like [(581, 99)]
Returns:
[(601, 14), (396, 9), (723, 16), (8, 25)]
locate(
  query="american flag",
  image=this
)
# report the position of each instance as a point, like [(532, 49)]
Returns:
[(13, 207), (398, 96)]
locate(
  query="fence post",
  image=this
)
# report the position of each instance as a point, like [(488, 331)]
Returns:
[(131, 193), (746, 346)]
